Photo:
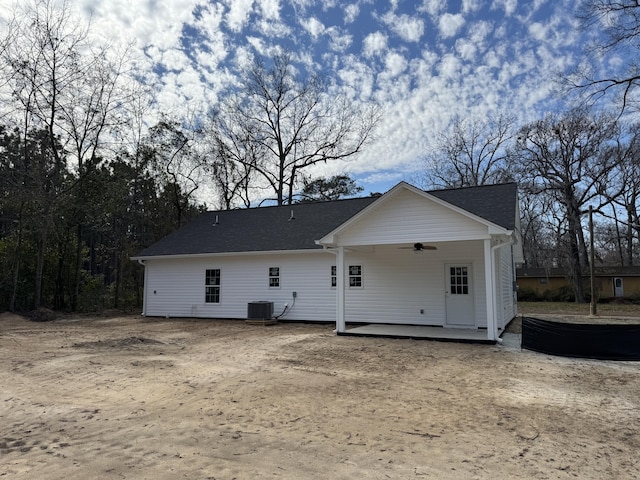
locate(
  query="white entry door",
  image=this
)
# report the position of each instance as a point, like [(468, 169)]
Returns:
[(459, 295), (618, 287)]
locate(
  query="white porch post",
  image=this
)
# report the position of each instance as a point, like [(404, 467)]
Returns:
[(340, 320), (489, 288)]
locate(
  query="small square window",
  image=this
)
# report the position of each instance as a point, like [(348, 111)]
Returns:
[(274, 277)]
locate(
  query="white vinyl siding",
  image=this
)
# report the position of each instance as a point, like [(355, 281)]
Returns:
[(175, 286), (401, 283), (410, 217), (507, 299), (398, 285)]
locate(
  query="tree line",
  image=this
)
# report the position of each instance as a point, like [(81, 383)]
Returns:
[(568, 161), (87, 179), (563, 164)]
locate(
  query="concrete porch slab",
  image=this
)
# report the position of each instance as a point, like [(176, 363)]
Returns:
[(419, 332)]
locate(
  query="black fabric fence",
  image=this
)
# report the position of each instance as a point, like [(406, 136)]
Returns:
[(584, 340)]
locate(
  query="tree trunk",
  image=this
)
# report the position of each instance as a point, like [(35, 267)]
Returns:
[(630, 221), (116, 292), (77, 268), (16, 269), (40, 257)]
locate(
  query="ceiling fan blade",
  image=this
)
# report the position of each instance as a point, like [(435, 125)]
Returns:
[(417, 247)]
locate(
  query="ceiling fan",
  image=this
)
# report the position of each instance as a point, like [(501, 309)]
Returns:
[(418, 247)]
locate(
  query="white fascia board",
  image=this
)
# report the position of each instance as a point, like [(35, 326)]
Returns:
[(493, 229), (229, 254)]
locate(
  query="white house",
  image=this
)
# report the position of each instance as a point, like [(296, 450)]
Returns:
[(441, 258)]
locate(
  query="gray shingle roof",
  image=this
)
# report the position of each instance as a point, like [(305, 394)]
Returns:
[(270, 228), (496, 203)]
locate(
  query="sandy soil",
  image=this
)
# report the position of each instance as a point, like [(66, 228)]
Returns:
[(128, 397)]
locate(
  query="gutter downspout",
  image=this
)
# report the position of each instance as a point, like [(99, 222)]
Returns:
[(144, 288)]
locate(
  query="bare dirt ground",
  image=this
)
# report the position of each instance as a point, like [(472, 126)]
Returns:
[(136, 398)]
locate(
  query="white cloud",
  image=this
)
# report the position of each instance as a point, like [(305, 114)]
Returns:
[(339, 41), (261, 47), (433, 7), (479, 32), (538, 30), (313, 26), (466, 49), (238, 15), (270, 9), (471, 6), (395, 64), (504, 63), (509, 6), (351, 12), (358, 78), (409, 28), (449, 24), (374, 44), (449, 67)]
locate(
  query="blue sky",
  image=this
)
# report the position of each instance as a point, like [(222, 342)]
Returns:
[(422, 61)]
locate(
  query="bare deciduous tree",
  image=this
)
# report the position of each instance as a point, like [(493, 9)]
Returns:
[(561, 156), (622, 189), (619, 23), (471, 153), (276, 126), (176, 164)]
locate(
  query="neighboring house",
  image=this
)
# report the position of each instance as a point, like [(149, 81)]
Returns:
[(440, 258), (610, 281)]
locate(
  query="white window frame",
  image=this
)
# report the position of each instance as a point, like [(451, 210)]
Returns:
[(212, 288), (274, 277), (356, 277)]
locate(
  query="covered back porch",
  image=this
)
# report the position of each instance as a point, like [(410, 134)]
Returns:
[(411, 265)]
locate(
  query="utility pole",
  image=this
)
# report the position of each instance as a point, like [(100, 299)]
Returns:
[(592, 268)]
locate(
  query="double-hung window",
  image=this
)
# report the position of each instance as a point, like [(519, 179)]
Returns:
[(212, 286), (334, 276), (355, 275), (274, 277)]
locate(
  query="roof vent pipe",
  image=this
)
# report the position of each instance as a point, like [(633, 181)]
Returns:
[(216, 221), (291, 217)]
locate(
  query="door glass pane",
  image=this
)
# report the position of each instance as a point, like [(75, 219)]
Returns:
[(459, 280)]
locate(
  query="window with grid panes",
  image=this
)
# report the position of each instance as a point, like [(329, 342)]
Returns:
[(355, 275), (212, 286), (459, 279), (274, 277)]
